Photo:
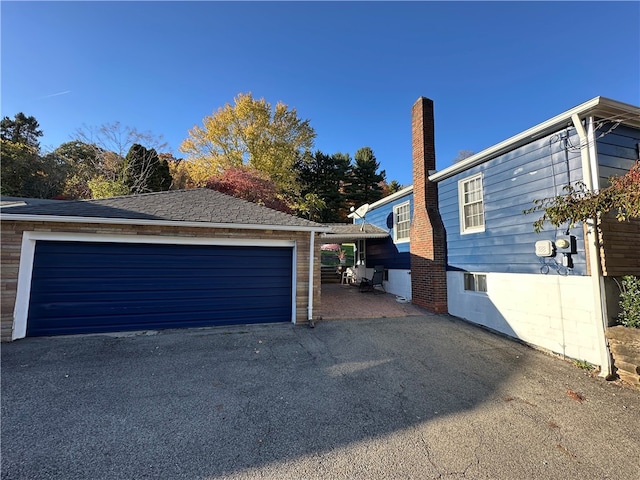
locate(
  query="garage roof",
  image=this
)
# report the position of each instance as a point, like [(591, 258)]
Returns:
[(195, 207)]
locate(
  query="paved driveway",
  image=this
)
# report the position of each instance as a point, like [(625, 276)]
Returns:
[(417, 397)]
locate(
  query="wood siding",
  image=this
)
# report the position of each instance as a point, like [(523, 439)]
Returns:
[(511, 182), (617, 150), (620, 241), (620, 244)]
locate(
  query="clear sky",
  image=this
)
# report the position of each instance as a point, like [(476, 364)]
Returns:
[(353, 69)]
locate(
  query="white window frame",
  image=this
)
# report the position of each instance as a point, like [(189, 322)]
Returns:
[(479, 281), (464, 229), (396, 223)]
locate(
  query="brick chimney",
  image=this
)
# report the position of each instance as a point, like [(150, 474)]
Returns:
[(428, 239)]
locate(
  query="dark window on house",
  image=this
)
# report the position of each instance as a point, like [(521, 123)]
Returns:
[(475, 282)]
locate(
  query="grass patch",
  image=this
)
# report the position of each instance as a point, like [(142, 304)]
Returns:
[(584, 365)]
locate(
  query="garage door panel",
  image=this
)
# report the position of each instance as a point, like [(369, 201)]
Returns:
[(193, 317), (158, 261), (94, 286), (64, 325), (192, 295), (178, 306), (152, 252), (164, 281)]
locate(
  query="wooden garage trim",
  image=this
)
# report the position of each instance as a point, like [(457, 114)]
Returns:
[(29, 239), (162, 223)]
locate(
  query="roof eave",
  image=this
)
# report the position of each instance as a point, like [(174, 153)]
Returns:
[(343, 237), (165, 223), (596, 106)]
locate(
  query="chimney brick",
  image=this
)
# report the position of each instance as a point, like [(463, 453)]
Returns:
[(428, 238)]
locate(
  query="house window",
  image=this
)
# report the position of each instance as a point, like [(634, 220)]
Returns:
[(402, 222), (471, 205), (475, 282)]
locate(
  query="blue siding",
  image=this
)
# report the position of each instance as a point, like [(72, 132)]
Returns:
[(385, 251), (86, 287), (510, 184), (617, 151)]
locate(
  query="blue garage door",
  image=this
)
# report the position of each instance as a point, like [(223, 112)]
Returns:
[(87, 287)]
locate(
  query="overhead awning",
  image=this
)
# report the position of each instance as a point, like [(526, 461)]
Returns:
[(349, 232)]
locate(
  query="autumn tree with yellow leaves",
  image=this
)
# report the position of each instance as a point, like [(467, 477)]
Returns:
[(250, 133)]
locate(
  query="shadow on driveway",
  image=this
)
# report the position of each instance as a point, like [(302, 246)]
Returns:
[(417, 397)]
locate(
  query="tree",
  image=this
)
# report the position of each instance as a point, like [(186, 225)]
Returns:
[(462, 154), (321, 180), (390, 188), (25, 173), (249, 133), (365, 181), (179, 176), (622, 196), (310, 206), (21, 130), (103, 188), (145, 171), (111, 143), (251, 185), (81, 162)]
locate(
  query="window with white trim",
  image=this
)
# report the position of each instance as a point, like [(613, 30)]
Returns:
[(401, 222), (471, 204), (475, 282)]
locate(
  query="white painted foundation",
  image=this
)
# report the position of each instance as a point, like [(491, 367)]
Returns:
[(399, 282), (550, 311)]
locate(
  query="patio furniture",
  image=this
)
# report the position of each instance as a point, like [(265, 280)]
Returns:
[(348, 276), (369, 285)]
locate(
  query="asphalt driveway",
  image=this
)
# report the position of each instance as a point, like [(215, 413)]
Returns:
[(418, 397)]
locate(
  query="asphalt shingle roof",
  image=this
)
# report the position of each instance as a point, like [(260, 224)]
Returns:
[(352, 231), (194, 205)]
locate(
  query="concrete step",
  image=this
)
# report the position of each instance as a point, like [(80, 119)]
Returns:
[(328, 274)]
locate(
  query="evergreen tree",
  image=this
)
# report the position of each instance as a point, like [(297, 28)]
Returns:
[(24, 172), (21, 130), (321, 177), (144, 171), (365, 183)]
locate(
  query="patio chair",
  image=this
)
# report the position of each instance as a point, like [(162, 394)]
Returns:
[(348, 276), (370, 284)]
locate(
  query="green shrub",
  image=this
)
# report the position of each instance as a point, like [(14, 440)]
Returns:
[(630, 302)]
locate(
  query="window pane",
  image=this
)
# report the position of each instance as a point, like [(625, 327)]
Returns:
[(481, 283), (403, 222), (472, 203), (469, 283)]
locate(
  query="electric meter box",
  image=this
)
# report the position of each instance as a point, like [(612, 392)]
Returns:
[(567, 244), (544, 248)]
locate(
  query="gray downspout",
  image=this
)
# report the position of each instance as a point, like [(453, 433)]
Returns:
[(594, 247)]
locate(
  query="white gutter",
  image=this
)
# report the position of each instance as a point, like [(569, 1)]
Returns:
[(164, 223), (598, 105), (311, 261), (387, 199), (589, 167)]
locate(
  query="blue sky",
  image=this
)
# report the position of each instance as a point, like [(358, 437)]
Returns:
[(493, 69)]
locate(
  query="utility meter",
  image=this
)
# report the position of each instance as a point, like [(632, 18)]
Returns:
[(566, 244)]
